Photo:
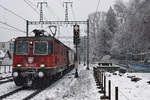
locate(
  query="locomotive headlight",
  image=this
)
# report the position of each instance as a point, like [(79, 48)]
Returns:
[(31, 42), (42, 65), (15, 74), (19, 65), (40, 74)]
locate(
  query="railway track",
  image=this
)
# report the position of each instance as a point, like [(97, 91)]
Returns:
[(34, 93), (11, 93), (6, 81), (6, 77), (29, 92), (18, 92)]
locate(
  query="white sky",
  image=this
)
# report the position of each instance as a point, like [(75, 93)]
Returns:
[(81, 9)]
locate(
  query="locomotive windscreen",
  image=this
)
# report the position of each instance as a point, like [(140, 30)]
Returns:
[(22, 47), (40, 47)]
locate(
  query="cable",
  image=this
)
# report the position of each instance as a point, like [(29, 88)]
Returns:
[(12, 12), (29, 4), (31, 7), (12, 27), (8, 29)]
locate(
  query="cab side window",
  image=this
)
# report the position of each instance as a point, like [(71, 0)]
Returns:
[(50, 48)]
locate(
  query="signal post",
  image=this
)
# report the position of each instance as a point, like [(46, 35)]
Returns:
[(76, 41)]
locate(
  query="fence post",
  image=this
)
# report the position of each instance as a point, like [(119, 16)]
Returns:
[(109, 89), (99, 78), (104, 90), (102, 81), (104, 86), (5, 69), (116, 93), (9, 69), (0, 69)]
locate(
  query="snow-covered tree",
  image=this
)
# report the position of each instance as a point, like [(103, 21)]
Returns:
[(133, 35), (111, 20)]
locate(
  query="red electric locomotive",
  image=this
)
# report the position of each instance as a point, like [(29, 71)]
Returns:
[(39, 58)]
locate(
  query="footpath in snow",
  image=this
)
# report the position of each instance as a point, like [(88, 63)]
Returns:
[(70, 88)]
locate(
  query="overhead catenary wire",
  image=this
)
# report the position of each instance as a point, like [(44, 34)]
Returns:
[(32, 3), (12, 27), (8, 29), (12, 12), (97, 8), (27, 2), (95, 17)]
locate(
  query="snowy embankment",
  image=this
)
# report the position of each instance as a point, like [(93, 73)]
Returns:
[(70, 88), (129, 90)]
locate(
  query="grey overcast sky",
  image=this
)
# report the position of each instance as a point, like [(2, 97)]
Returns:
[(54, 11)]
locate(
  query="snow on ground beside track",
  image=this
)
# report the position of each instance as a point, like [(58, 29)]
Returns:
[(7, 87), (20, 95), (129, 90), (10, 86), (5, 75), (70, 88)]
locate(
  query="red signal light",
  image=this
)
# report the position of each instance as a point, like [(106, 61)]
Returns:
[(75, 33)]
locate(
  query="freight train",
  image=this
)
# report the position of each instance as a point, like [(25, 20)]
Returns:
[(39, 58)]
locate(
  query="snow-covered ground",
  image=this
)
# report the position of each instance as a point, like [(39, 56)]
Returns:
[(129, 90), (84, 87), (7, 87), (67, 88), (70, 88)]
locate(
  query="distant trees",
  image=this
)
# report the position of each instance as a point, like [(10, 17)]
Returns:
[(133, 34), (111, 20), (124, 29), (96, 22), (103, 26)]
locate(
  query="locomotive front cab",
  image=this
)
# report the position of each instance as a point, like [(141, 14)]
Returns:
[(31, 58), (32, 54)]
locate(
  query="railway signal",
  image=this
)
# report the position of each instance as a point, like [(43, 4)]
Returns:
[(76, 41), (76, 34)]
